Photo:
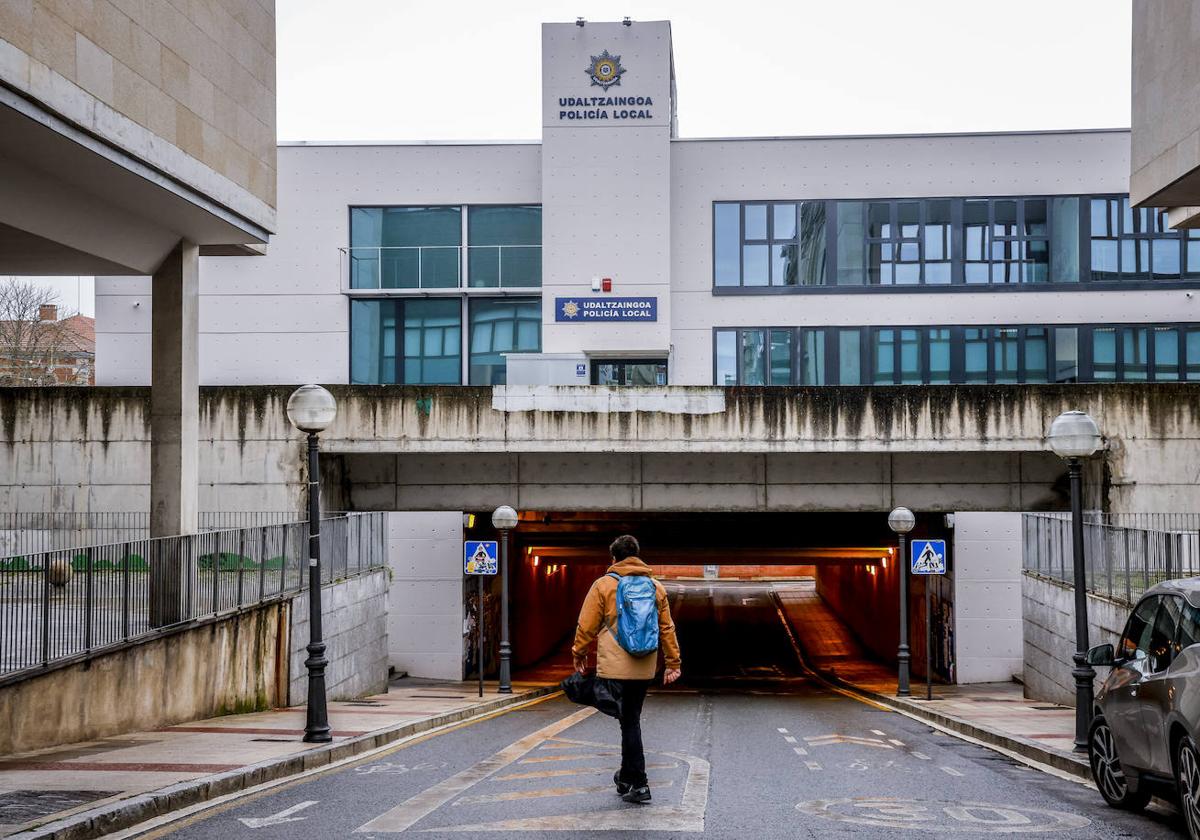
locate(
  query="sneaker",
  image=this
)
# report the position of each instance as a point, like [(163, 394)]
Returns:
[(622, 787), (637, 795)]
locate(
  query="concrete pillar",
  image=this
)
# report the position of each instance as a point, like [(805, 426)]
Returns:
[(174, 429)]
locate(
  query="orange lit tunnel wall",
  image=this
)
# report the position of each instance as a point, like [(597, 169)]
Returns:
[(545, 604), (866, 603)]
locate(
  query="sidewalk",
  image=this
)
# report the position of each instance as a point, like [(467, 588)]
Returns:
[(995, 713), (79, 790)]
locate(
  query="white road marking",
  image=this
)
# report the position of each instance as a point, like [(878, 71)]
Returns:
[(420, 806), (800, 750), (879, 732), (830, 740), (781, 729), (894, 741), (812, 765), (921, 756), (284, 816), (791, 739), (950, 771)]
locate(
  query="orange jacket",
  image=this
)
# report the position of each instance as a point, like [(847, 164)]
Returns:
[(599, 613)]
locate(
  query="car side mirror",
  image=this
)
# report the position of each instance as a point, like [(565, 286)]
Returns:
[(1101, 655)]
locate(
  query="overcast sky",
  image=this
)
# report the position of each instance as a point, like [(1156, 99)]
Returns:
[(462, 69)]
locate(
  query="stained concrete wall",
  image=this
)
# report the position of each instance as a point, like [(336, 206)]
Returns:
[(238, 664), (1048, 610), (947, 447), (354, 623)]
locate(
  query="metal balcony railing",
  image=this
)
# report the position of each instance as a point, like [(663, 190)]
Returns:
[(429, 267), (68, 604)]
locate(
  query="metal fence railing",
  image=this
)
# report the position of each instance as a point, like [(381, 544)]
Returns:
[(67, 603), (34, 532), (1124, 554)]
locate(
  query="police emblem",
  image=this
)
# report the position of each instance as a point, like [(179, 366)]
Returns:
[(605, 70), (570, 309)]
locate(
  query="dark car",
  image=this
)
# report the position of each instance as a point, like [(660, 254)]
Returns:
[(1144, 735)]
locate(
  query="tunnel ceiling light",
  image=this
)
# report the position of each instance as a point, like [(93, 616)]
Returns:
[(1074, 434), (536, 559)]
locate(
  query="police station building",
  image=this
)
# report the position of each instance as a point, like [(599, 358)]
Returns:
[(615, 252), (744, 350)]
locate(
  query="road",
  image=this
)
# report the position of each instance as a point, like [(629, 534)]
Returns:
[(750, 747)]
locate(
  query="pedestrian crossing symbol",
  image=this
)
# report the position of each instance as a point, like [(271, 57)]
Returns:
[(929, 557), (479, 557)]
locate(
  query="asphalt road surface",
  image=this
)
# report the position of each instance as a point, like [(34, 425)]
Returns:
[(749, 748)]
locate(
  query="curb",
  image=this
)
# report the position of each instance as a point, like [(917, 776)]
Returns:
[(144, 806), (1066, 762)]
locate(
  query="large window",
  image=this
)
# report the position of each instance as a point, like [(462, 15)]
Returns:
[(769, 244), (1021, 241), (629, 372), (421, 247), (500, 326), (405, 247), (504, 246), (953, 354), (406, 341)]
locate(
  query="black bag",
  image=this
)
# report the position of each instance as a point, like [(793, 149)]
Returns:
[(591, 690)]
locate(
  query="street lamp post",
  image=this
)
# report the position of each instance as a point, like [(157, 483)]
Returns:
[(311, 409), (1074, 435), (504, 519), (901, 521)]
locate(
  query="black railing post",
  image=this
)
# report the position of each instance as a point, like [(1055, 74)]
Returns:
[(241, 552), (46, 609), (125, 607), (88, 600)]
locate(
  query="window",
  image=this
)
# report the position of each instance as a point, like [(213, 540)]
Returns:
[(409, 342), (769, 244), (1162, 639), (945, 355), (504, 246), (499, 326), (405, 247), (625, 372), (1006, 240), (1135, 641), (1189, 628), (1131, 243), (978, 241)]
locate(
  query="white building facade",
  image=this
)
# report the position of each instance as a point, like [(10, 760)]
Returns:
[(615, 252)]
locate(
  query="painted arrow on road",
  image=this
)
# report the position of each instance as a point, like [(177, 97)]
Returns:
[(284, 816), (828, 740)]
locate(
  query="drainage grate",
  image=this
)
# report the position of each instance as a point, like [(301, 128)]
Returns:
[(21, 806)]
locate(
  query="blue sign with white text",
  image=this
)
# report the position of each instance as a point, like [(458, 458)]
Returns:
[(576, 309), (929, 557), (479, 557)]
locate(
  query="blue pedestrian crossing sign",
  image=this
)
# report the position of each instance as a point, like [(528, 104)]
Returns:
[(929, 557), (479, 557)]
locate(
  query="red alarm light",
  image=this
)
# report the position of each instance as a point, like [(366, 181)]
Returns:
[(606, 284)]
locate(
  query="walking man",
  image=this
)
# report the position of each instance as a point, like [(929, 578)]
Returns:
[(629, 616)]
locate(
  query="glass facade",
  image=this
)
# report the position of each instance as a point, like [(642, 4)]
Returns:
[(761, 247), (952, 355), (504, 246), (499, 326), (627, 372), (405, 341), (421, 247)]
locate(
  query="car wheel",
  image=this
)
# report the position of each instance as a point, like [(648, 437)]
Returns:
[(1187, 776), (1107, 772)]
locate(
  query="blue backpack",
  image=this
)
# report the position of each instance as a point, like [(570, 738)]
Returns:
[(636, 629)]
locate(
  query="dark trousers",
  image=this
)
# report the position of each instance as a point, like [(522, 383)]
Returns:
[(633, 759)]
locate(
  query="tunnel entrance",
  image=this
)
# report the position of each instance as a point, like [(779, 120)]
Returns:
[(757, 597)]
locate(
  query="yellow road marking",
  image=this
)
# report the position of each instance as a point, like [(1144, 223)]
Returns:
[(539, 759), (420, 806), (571, 771), (545, 792)]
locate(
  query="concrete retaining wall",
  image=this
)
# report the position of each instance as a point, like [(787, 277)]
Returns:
[(233, 665), (1048, 608), (354, 622)]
